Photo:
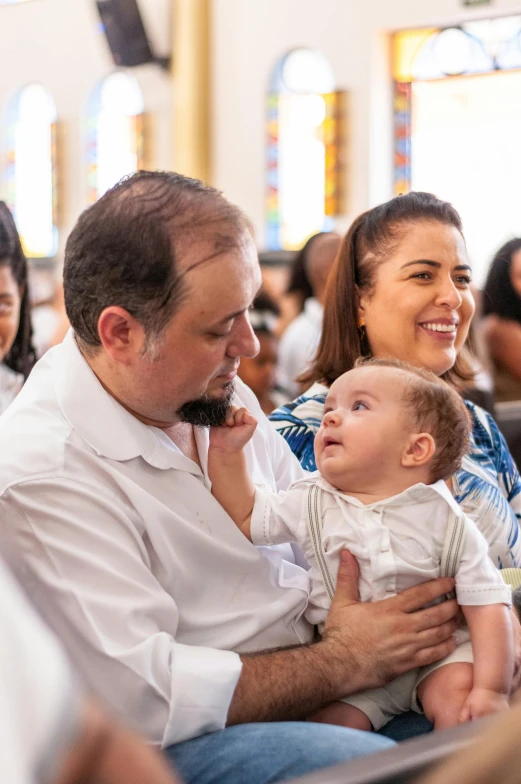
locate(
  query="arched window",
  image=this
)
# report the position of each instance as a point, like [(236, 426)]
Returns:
[(30, 174), (457, 123), (304, 149), (115, 132)]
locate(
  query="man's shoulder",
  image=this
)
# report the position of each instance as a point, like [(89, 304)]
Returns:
[(33, 431)]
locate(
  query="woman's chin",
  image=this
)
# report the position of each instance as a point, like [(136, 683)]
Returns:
[(438, 362)]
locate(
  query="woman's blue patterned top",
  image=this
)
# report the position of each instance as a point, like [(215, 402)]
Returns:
[(487, 486)]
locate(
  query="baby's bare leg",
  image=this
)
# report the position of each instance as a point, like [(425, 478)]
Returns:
[(343, 715), (443, 692)]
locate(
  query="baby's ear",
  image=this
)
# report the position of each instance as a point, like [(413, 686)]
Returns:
[(419, 451)]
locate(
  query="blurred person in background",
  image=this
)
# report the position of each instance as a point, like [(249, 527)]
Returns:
[(51, 732), (299, 288), (17, 355), (259, 372), (502, 320), (300, 340), (50, 322)]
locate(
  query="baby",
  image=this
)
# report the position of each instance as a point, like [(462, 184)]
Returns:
[(390, 436)]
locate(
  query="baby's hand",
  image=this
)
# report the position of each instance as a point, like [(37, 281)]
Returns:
[(481, 702), (235, 434)]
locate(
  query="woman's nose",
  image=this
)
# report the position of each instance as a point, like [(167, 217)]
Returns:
[(449, 295)]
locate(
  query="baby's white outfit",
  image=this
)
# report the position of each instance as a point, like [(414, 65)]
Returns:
[(398, 542)]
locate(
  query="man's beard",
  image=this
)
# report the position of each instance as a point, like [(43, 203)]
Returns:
[(207, 411)]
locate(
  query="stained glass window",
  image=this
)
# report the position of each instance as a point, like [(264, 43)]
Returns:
[(457, 124), (305, 128), (115, 132), (30, 171)]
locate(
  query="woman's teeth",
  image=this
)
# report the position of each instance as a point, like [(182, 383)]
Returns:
[(440, 327)]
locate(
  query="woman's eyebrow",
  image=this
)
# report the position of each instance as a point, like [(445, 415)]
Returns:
[(436, 264)]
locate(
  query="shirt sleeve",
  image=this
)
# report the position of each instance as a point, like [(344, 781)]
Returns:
[(276, 517), (478, 582), (123, 624), (491, 453)]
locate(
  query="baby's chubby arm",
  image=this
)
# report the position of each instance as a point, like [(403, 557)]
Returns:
[(491, 635), (231, 483)]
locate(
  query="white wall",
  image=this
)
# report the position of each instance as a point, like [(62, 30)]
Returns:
[(59, 43), (250, 36)]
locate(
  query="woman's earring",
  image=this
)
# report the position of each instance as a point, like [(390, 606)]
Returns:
[(362, 336)]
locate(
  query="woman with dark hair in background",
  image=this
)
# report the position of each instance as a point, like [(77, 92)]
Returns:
[(502, 319), (17, 355)]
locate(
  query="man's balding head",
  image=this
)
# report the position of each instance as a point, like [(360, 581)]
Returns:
[(128, 249), (319, 260)]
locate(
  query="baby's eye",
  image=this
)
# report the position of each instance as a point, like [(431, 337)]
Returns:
[(360, 406)]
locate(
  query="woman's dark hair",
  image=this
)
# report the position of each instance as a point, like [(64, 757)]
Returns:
[(299, 282), (22, 355), (499, 295), (371, 237)]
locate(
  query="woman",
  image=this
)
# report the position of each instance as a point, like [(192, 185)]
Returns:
[(502, 324), (400, 288), (17, 355)]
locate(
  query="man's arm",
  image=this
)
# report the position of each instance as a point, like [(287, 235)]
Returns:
[(363, 646)]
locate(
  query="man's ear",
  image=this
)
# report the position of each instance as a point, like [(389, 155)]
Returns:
[(419, 451), (121, 335)]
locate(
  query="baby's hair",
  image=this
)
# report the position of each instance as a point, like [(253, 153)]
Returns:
[(436, 409)]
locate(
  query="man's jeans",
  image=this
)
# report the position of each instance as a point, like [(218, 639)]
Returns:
[(270, 752)]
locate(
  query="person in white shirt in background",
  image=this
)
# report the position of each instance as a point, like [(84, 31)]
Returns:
[(391, 436), (17, 354), (51, 731), (300, 340), (194, 635)]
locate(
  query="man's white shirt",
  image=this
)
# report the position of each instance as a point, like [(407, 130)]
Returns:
[(162, 587)]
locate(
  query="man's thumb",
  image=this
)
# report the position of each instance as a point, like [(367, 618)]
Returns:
[(347, 580)]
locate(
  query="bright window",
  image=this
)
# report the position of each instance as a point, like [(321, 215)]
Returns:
[(458, 124), (115, 132), (303, 156), (31, 169)]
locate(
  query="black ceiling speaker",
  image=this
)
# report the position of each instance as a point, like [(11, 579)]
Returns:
[(126, 35)]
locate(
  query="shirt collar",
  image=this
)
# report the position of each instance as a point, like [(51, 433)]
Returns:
[(417, 492), (108, 428)]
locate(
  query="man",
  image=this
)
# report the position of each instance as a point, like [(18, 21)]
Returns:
[(186, 627), (300, 340)]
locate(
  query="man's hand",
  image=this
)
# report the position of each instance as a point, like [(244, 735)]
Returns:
[(381, 640), (481, 702), (233, 436)]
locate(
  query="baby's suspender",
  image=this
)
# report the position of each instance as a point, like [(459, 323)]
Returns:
[(452, 548)]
